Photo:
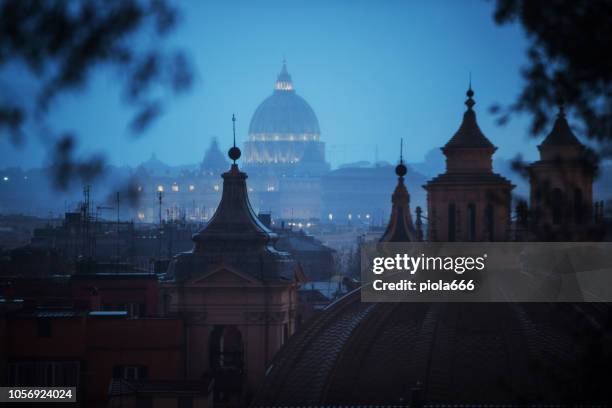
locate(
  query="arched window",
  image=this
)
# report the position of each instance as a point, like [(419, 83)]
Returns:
[(578, 206), (490, 220), (557, 206), (452, 222), (226, 348), (471, 222)]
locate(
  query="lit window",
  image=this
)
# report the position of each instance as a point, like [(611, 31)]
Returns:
[(139, 189), (160, 188), (216, 187), (5, 178), (271, 188), (330, 216), (368, 216), (141, 215), (175, 188), (191, 187), (350, 216)]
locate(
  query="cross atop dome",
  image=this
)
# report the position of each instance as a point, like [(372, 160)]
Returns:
[(283, 81), (234, 152)]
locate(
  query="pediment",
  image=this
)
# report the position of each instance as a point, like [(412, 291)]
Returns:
[(222, 276)]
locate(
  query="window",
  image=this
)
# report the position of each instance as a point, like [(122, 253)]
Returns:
[(490, 219), (471, 222), (135, 309), (44, 373), (226, 348), (175, 188), (452, 224), (130, 372), (578, 206)]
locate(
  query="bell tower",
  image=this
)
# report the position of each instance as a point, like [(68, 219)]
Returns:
[(561, 186), (236, 292), (469, 202)]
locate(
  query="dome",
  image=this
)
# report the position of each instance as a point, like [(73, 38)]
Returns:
[(479, 354), (284, 114)]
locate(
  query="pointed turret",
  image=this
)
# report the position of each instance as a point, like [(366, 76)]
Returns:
[(469, 143), (561, 187), (561, 142), (469, 134), (400, 227)]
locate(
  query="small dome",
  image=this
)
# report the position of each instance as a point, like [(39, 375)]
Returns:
[(284, 112)]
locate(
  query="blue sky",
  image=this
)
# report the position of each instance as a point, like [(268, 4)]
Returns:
[(373, 71)]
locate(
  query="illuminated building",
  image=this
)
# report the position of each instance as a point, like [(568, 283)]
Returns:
[(284, 155), (284, 132)]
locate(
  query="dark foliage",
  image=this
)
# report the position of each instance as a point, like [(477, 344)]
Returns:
[(569, 59), (63, 42)]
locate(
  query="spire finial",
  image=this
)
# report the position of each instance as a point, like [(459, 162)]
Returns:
[(234, 152), (561, 104), (234, 127), (470, 93), (401, 169)]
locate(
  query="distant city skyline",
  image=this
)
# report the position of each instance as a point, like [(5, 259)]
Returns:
[(372, 72)]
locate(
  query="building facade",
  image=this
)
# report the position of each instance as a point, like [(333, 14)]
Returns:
[(237, 294)]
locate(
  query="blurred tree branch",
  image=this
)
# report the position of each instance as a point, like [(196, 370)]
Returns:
[(569, 60), (63, 42)]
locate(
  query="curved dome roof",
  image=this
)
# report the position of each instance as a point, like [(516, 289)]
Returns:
[(284, 112), (443, 353)]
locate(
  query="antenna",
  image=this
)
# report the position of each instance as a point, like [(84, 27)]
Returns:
[(470, 86), (402, 150)]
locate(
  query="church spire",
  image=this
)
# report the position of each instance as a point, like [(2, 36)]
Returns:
[(561, 133), (234, 221), (400, 227), (469, 134)]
